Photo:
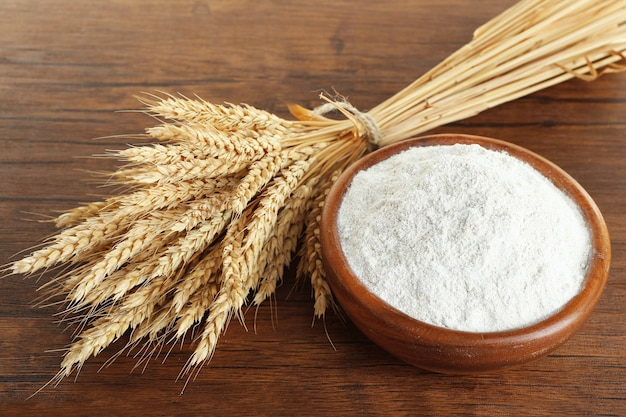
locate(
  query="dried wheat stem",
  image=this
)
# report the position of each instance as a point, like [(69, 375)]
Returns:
[(196, 307), (195, 241), (228, 118), (310, 264), (234, 146), (182, 171), (70, 245), (283, 242), (259, 174), (159, 154), (80, 214), (205, 271)]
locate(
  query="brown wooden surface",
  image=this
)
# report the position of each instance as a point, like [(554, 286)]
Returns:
[(67, 66)]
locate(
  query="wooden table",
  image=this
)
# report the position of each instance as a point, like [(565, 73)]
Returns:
[(66, 67)]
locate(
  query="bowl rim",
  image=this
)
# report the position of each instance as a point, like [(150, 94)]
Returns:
[(572, 314)]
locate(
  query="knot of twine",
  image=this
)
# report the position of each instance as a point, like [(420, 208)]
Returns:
[(363, 121)]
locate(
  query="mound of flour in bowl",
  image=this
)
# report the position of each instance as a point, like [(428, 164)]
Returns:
[(464, 237)]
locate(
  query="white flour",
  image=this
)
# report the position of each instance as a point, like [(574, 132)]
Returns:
[(464, 237)]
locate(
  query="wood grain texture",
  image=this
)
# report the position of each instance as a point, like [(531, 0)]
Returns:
[(67, 67)]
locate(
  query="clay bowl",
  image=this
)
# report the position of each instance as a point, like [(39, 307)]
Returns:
[(449, 351)]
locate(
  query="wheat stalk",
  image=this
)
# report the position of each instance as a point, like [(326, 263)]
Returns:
[(216, 207)]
